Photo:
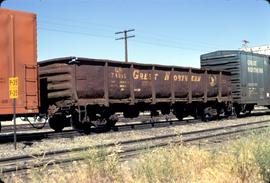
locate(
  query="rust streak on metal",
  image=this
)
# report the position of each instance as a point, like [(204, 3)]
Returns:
[(189, 86), (103, 82), (205, 86), (106, 85), (153, 88), (172, 86), (131, 81), (220, 86)]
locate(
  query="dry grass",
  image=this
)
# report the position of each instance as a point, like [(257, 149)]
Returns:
[(180, 164), (245, 161)]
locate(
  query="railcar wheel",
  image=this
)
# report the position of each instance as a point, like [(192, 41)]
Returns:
[(228, 113), (86, 128), (180, 112), (57, 122), (165, 111), (78, 125), (237, 111), (199, 114), (154, 113), (249, 108), (179, 116), (111, 121), (207, 114), (131, 113), (74, 121), (206, 117)]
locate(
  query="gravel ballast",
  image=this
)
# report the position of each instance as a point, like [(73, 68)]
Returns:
[(7, 150)]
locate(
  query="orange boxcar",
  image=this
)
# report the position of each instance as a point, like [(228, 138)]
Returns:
[(18, 49)]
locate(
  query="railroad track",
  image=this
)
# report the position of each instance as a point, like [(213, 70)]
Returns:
[(36, 136), (129, 148), (23, 127), (24, 136), (143, 117), (38, 125), (70, 133)]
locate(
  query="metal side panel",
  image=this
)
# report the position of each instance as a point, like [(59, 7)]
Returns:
[(57, 84), (254, 86), (17, 50), (249, 74), (225, 61)]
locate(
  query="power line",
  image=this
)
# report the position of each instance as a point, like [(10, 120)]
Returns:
[(169, 46), (153, 43), (174, 41), (177, 40), (75, 28), (151, 38), (74, 32), (125, 38), (162, 37), (75, 25), (76, 21)]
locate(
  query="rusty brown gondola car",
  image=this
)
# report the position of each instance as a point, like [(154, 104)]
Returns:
[(18, 58), (91, 91)]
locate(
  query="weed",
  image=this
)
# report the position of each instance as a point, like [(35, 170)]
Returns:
[(244, 161)]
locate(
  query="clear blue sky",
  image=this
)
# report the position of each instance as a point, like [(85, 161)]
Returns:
[(172, 32)]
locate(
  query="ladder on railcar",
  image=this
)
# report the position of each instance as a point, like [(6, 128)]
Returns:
[(31, 87)]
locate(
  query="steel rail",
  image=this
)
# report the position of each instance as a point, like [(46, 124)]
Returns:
[(25, 127), (204, 134)]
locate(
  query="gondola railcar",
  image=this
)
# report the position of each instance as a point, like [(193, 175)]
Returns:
[(91, 91)]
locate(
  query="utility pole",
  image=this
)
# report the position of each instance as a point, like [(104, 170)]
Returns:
[(125, 38), (245, 45)]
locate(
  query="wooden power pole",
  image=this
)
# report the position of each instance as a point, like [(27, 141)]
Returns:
[(125, 37)]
